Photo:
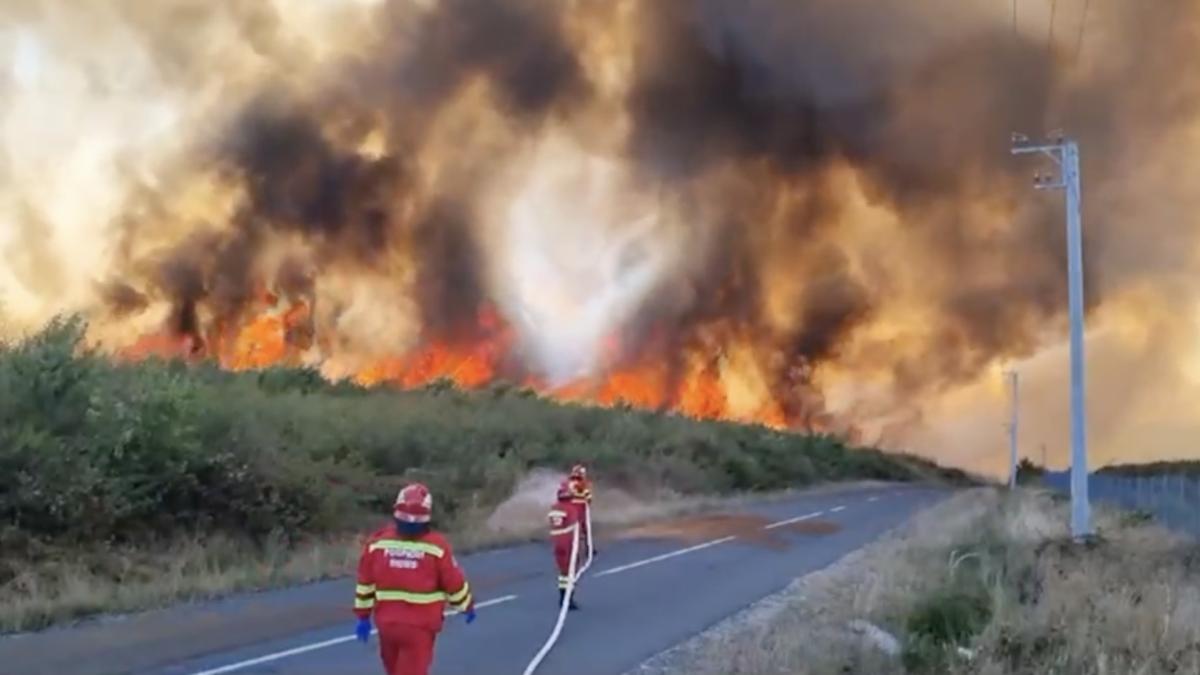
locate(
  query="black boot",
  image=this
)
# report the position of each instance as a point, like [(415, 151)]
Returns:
[(570, 607)]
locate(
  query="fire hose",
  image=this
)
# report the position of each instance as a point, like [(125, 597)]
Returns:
[(572, 579), (587, 518)]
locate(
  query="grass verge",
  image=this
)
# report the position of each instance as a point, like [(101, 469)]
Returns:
[(985, 583)]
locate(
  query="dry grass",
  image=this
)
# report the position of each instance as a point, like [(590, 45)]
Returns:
[(189, 570), (1128, 604)]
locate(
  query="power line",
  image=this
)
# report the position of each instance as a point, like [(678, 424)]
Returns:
[(1082, 28), (1012, 431), (1050, 35)]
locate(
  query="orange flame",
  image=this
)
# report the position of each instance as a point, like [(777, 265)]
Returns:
[(161, 345), (278, 336)]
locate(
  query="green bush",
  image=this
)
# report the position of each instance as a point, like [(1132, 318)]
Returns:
[(97, 451), (942, 622), (951, 616), (1029, 473)]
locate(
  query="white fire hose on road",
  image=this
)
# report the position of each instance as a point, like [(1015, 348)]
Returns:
[(587, 518), (572, 579)]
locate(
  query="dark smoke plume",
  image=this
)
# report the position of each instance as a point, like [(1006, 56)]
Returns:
[(842, 170)]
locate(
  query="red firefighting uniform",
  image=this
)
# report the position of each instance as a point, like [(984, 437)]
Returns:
[(406, 583), (564, 523), (581, 497)]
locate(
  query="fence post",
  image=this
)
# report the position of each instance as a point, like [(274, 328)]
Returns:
[(1194, 504), (1180, 504), (1163, 501), (1156, 500), (1167, 501)]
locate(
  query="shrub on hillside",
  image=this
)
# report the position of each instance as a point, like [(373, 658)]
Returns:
[(943, 622), (1029, 473), (92, 450)]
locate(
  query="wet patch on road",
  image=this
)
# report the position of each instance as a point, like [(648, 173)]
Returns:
[(748, 529)]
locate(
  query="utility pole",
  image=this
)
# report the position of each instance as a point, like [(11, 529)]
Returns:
[(1012, 435), (1065, 153)]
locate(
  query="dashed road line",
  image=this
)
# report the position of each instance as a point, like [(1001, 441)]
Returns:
[(665, 556), (317, 645), (507, 598), (708, 544), (789, 521)]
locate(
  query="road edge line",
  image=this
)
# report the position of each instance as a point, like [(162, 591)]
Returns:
[(304, 649), (790, 521), (665, 556)]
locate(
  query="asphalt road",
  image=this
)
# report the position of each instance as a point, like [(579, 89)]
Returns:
[(649, 589)]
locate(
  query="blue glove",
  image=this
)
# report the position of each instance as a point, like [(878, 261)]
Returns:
[(470, 615), (362, 631)]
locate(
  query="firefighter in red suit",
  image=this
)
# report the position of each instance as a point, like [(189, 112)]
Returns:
[(581, 496), (406, 576), (564, 527)]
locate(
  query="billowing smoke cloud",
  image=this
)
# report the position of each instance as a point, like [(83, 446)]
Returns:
[(812, 204)]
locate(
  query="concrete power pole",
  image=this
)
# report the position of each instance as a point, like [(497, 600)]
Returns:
[(1065, 153), (1012, 434)]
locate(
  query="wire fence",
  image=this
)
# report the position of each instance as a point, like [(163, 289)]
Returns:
[(1172, 499)]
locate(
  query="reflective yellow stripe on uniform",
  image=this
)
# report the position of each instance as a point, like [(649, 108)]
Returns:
[(463, 597), (364, 596), (410, 597), (401, 545), (565, 530), (563, 581)]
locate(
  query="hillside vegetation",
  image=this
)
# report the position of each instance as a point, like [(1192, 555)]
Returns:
[(106, 468), (1184, 467)]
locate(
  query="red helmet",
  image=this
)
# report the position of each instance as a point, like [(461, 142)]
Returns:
[(579, 471), (414, 504), (564, 491)]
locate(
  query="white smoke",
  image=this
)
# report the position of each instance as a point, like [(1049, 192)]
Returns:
[(578, 249)]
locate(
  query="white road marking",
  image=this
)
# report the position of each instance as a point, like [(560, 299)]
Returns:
[(665, 556), (496, 601), (486, 603), (707, 544), (318, 645), (797, 519), (276, 656), (873, 499)]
